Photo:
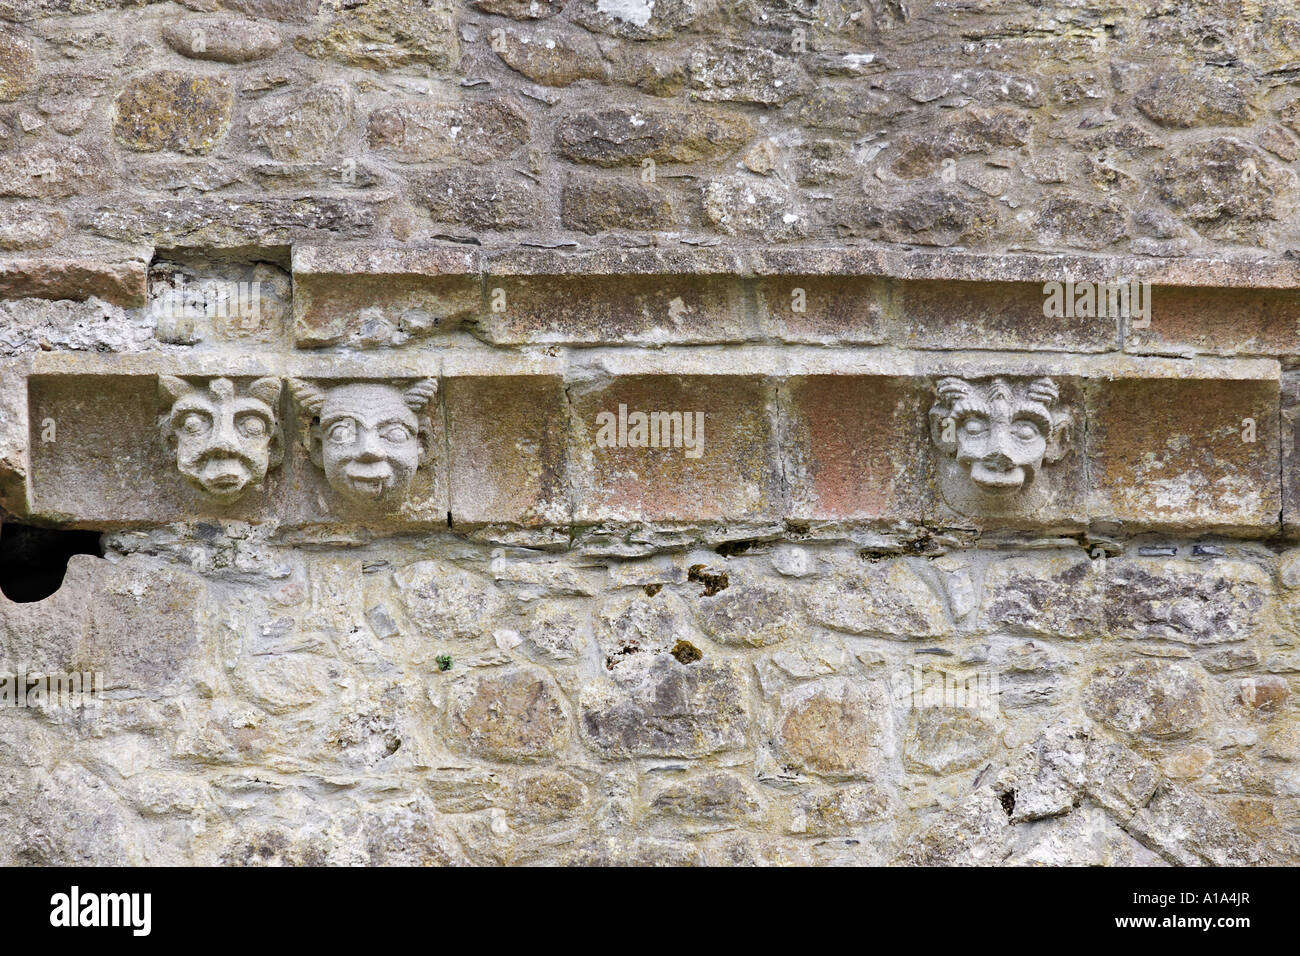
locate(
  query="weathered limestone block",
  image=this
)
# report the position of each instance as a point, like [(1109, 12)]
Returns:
[(223, 39), (1173, 452), (680, 448), (884, 599), (1051, 595), (1156, 698), (751, 614), (305, 125), (385, 34), (174, 111), (714, 796), (474, 130), (446, 602), (837, 728), (513, 715), (509, 459), (1189, 830), (1189, 602), (673, 710), (619, 136)]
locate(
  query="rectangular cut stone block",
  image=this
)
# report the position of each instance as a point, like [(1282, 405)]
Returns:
[(856, 447), (508, 455), (607, 309), (1290, 438), (823, 309), (990, 315), (98, 457), (1170, 453), (731, 475), (386, 310), (1219, 322)]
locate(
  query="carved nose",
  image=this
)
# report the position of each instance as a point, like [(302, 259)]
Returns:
[(370, 448), (224, 438), (998, 461)]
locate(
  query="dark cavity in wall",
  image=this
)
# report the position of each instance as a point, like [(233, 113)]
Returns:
[(34, 560)]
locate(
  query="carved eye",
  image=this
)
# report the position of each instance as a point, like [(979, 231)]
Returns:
[(343, 432), (195, 423), (974, 426), (1024, 430), (395, 433), (252, 426)]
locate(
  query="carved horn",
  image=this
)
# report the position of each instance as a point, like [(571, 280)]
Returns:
[(170, 388), (266, 390), (950, 389), (1043, 390), (420, 394), (309, 398)]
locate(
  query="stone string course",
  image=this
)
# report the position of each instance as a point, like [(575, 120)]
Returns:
[(320, 314)]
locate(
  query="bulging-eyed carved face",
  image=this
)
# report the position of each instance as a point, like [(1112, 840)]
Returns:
[(999, 431), (369, 442), (224, 442)]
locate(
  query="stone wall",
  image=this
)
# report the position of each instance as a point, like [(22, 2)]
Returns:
[(652, 431)]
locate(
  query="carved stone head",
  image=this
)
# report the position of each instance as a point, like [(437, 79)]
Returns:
[(996, 434), (368, 438), (224, 438)]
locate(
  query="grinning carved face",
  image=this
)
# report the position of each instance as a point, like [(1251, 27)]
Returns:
[(224, 442), (1000, 430), (367, 437)]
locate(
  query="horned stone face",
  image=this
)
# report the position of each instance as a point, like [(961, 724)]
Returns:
[(367, 438), (224, 441), (999, 432)]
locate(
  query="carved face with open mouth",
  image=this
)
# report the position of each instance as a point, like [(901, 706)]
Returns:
[(224, 442), (1000, 431), (367, 438)]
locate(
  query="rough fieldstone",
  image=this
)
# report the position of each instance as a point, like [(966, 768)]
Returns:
[(887, 600), (521, 9), (973, 131), (223, 39), (714, 796), (22, 227), (300, 126), (1225, 188), (750, 614), (836, 728), (944, 739), (931, 215), (1185, 601), (598, 205), (755, 209), (167, 109), (1191, 831), (1074, 221), (1157, 698), (675, 710), (17, 66), (618, 136), (516, 715), (447, 602), (50, 171), (1052, 595), (552, 59), (974, 832), (832, 810), (386, 34), (475, 130), (482, 197), (746, 74), (1181, 100)]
